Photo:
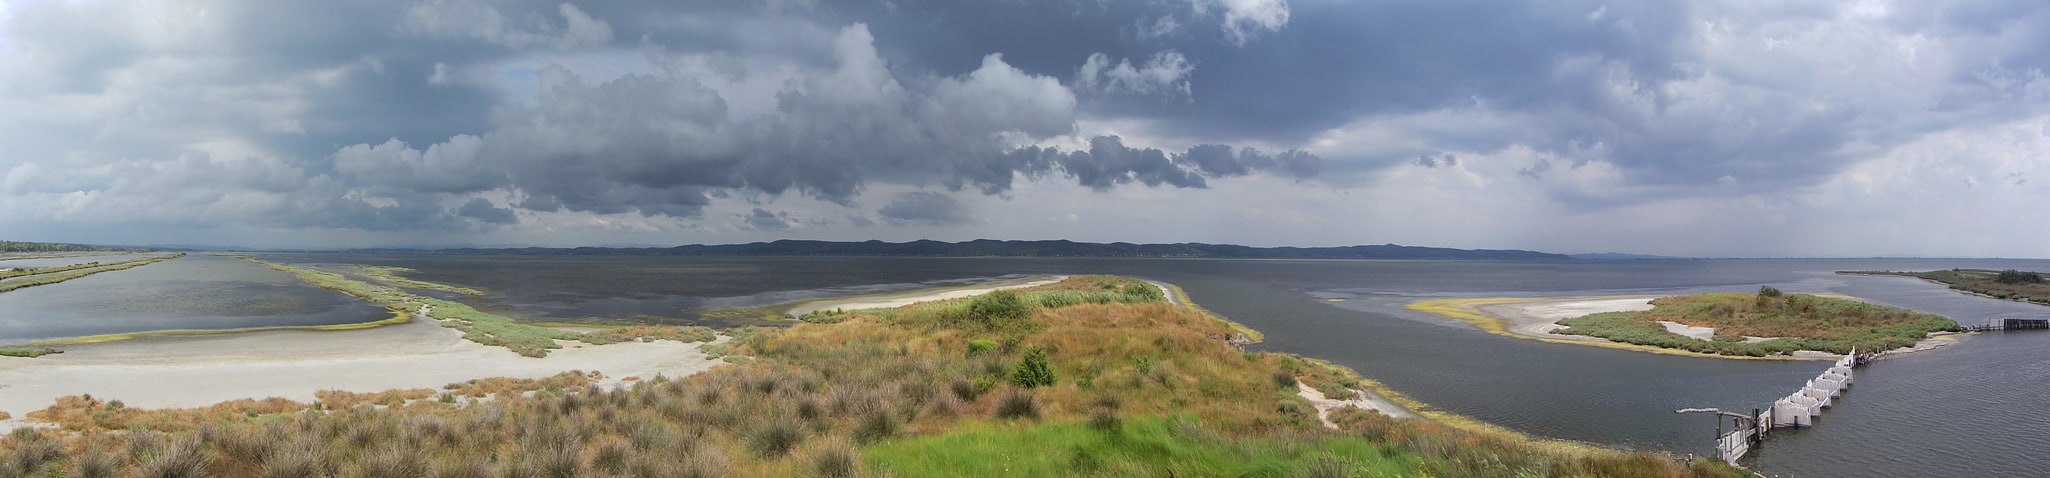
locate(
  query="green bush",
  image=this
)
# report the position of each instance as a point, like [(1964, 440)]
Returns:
[(981, 346), (1034, 371)]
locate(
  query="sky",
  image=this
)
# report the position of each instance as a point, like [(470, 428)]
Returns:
[(1698, 128)]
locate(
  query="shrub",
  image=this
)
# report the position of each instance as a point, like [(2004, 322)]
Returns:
[(1142, 292), (1034, 370), (2012, 276), (832, 459), (774, 438), (1284, 379), (965, 389), (1018, 404), (875, 427), (180, 459), (1768, 291), (981, 346), (998, 308)]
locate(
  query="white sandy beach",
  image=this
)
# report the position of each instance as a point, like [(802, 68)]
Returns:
[(904, 299), (193, 371), (1540, 318)]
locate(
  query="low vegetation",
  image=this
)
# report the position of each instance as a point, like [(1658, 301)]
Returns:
[(479, 326), (391, 274), (28, 352), (1138, 388), (1789, 322), (2010, 284)]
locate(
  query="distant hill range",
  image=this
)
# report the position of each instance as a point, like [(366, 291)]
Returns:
[(1618, 256), (988, 248)]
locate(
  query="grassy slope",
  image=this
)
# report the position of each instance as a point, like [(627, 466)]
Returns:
[(1141, 388), (1802, 321)]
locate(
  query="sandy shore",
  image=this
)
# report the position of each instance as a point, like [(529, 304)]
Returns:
[(928, 295), (193, 371), (1540, 317)]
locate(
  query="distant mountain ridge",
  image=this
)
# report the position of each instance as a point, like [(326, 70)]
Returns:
[(996, 248)]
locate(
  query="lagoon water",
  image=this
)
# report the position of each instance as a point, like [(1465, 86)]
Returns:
[(1980, 408), (197, 291)]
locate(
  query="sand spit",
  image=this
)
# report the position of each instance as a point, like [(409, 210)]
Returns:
[(928, 295), (195, 371), (1540, 317)]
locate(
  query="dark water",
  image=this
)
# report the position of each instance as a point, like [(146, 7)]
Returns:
[(1975, 409), (663, 289), (194, 292)]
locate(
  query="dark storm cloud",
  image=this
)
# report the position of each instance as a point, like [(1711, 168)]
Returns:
[(927, 208), (401, 114)]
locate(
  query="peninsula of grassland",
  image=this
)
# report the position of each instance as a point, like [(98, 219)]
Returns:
[(1764, 324), (17, 278), (2010, 284)]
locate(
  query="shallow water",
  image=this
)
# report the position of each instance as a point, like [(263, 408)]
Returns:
[(193, 292)]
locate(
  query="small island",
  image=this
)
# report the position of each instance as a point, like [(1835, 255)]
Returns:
[(1767, 324)]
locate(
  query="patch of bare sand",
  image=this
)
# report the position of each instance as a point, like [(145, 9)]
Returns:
[(1540, 318), (1365, 400), (1692, 331), (194, 371)]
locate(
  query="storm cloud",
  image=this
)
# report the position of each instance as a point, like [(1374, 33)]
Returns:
[(527, 121)]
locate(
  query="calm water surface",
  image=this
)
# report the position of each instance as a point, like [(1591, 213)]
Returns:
[(197, 291), (1976, 409)]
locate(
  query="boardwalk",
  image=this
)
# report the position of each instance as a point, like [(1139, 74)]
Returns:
[(2009, 324)]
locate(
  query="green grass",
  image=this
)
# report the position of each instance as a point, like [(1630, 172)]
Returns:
[(1143, 446), (27, 352), (51, 275), (1798, 321)]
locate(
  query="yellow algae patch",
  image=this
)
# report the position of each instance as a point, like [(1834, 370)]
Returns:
[(397, 317)]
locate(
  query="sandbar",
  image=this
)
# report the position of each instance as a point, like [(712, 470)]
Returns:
[(1540, 317), (197, 371), (888, 301)]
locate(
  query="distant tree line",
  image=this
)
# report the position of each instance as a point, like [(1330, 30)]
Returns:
[(17, 246)]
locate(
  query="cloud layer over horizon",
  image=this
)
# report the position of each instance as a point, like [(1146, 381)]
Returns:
[(1814, 128)]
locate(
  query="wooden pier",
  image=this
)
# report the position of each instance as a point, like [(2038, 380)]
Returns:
[(2009, 324)]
